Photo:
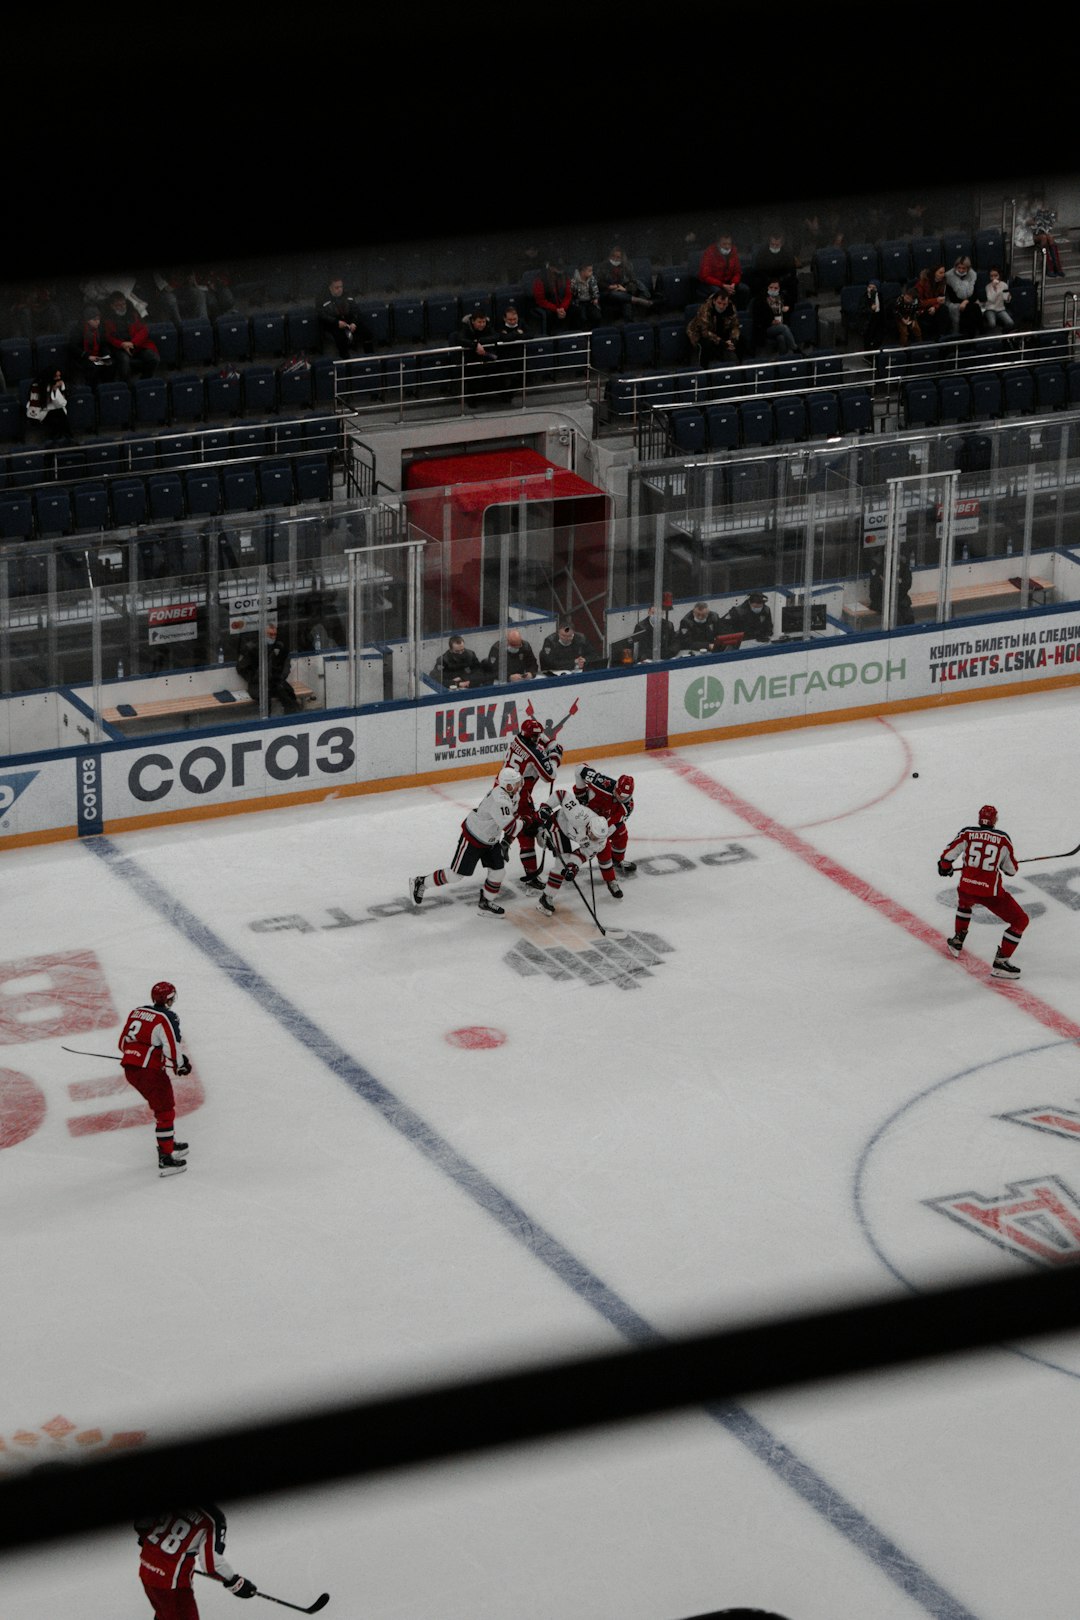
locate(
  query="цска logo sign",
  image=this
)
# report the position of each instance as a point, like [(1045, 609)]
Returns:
[(480, 728)]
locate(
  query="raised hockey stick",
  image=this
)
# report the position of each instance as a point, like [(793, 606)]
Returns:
[(109, 1057), (1022, 860), (313, 1608)]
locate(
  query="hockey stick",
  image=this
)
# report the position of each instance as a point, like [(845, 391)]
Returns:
[(313, 1608), (110, 1057), (1022, 860)]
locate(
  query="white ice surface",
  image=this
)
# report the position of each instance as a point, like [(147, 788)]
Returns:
[(754, 1125)]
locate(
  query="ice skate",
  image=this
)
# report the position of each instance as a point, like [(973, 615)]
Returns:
[(626, 867), (1003, 968), (546, 905), (956, 944), (490, 910), (614, 891), (170, 1165), (416, 889), (531, 880)]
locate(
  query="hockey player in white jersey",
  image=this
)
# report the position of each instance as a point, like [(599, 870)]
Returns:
[(480, 844), (574, 833)]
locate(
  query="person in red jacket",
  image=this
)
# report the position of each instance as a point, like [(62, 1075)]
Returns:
[(172, 1547), (551, 295), (150, 1047), (720, 267), (128, 338), (986, 858)]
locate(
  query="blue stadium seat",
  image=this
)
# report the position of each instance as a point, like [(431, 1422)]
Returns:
[(303, 334), (240, 488), (722, 425), (829, 267), (202, 492), (605, 348), (166, 496), (688, 430), (233, 334), (268, 333), (856, 411), (919, 398), (196, 342), (26, 467), (1015, 447), (672, 343), (954, 399), (223, 393), (789, 416), (442, 316), (1023, 303), (82, 408), (863, 262), (822, 414), (803, 322), (989, 248), (954, 245), (1018, 391), (12, 418), (407, 315), (91, 503), (475, 299), (438, 374), (141, 453), (173, 450), (852, 305), (217, 445), (322, 377), (276, 483), (251, 439), (375, 314), (399, 375), (16, 517), (128, 496), (312, 478), (105, 457), (926, 254), (151, 396), (16, 360), (675, 285), (113, 406), (986, 394), (324, 433), (52, 511), (166, 340), (187, 402), (70, 463), (750, 480), (294, 388), (51, 353), (1050, 386), (726, 382), (756, 425), (511, 293), (895, 260), (639, 344), (787, 376), (260, 389)]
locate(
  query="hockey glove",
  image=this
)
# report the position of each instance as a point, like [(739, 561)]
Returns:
[(241, 1587), (530, 820), (944, 868), (184, 1065), (570, 871), (504, 848), (545, 815)]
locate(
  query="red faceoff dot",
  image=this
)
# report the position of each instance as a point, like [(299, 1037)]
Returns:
[(476, 1037)]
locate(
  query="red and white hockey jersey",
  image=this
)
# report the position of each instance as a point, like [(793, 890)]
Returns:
[(179, 1543), (151, 1038), (576, 827), (987, 855), (599, 793), (492, 818), (531, 758)]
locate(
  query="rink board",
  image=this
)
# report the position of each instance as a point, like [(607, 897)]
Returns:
[(277, 763)]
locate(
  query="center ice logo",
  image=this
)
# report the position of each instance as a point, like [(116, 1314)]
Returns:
[(704, 697), (619, 962)]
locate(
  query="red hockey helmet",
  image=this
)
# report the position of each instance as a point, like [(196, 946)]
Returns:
[(163, 994), (624, 789), (988, 816), (531, 728)]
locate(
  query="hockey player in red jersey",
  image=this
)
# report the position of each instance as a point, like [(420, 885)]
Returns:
[(531, 753), (574, 834), (172, 1548), (481, 843), (614, 800), (150, 1047), (987, 857)]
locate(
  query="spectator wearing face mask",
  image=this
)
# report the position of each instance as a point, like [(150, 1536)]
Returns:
[(964, 314), (622, 296), (752, 617), (769, 311), (776, 262)]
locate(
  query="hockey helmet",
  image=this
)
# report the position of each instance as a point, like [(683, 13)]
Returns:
[(596, 828), (531, 728), (163, 994), (988, 816), (624, 789), (509, 779)]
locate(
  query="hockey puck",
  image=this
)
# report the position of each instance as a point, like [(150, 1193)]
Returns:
[(914, 773)]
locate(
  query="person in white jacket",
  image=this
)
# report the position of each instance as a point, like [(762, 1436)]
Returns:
[(997, 296)]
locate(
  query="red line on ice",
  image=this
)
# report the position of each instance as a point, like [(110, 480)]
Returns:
[(860, 889)]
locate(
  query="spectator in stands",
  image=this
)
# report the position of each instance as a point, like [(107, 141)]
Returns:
[(91, 356), (319, 622), (510, 335), (47, 404), (621, 291), (458, 667), (931, 293), (521, 664), (906, 316), (277, 668), (996, 297), (566, 649), (552, 294), (720, 267), (964, 313), (775, 261), (768, 311), (869, 323), (753, 617), (340, 321), (584, 298), (698, 629), (905, 613), (714, 331), (1042, 229), (101, 289), (643, 636), (128, 336), (188, 294), (482, 379), (35, 312)]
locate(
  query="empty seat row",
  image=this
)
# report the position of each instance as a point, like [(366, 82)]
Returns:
[(755, 423), (900, 260), (629, 396), (162, 497), (1012, 391)]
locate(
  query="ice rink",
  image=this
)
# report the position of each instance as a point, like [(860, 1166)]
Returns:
[(778, 1089)]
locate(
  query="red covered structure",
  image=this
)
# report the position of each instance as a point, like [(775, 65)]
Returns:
[(474, 501)]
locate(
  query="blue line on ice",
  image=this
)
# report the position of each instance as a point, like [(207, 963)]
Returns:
[(807, 1483)]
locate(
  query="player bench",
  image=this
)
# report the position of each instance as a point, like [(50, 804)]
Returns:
[(183, 706), (859, 615)]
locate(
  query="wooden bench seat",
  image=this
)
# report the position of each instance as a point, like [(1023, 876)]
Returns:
[(191, 703), (990, 590)]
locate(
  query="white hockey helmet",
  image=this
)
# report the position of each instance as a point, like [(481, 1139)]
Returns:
[(509, 779), (596, 828)]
